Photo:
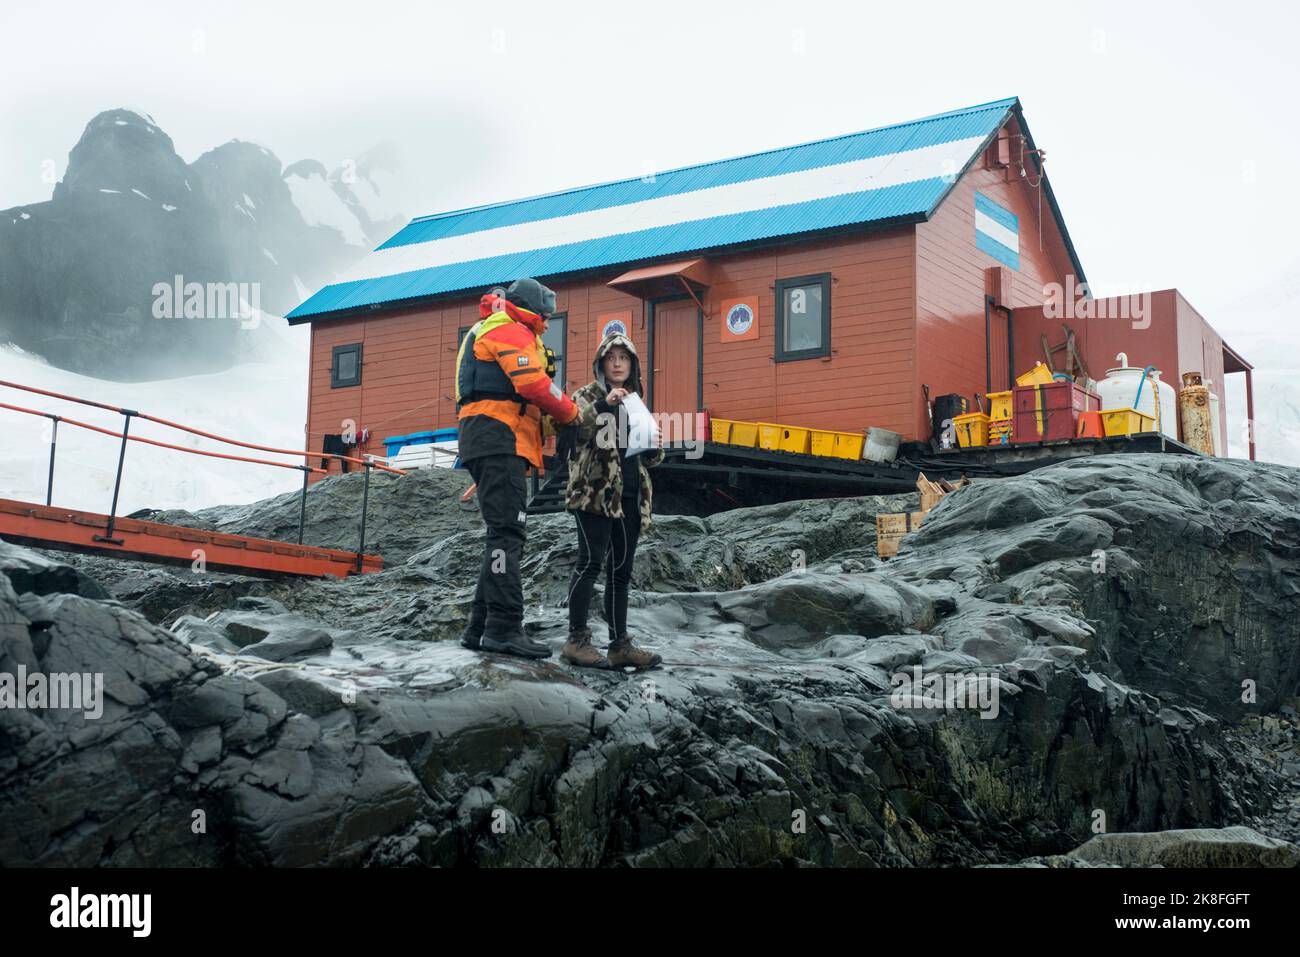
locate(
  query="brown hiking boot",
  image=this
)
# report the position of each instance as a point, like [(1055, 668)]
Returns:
[(579, 650), (624, 654)]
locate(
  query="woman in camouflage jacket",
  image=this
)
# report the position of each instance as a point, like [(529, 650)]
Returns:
[(610, 496)]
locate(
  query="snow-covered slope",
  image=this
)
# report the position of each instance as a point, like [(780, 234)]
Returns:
[(262, 402), (1262, 327)]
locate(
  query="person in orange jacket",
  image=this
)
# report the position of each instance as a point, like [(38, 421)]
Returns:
[(502, 392)]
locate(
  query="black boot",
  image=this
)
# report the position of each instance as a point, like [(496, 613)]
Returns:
[(511, 640), (470, 637)]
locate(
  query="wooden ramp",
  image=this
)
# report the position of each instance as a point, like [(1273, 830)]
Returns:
[(44, 526)]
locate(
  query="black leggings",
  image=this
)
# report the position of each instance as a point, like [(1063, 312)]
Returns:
[(610, 542)]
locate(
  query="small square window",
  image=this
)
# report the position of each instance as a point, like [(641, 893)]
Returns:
[(803, 317), (345, 366)]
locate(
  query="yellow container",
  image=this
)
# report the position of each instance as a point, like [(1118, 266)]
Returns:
[(744, 434), (769, 435), (1038, 375), (837, 445), (972, 429), (720, 430), (795, 440), (1000, 405), (1126, 422)]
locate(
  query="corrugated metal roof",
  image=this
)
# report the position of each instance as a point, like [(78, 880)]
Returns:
[(888, 174)]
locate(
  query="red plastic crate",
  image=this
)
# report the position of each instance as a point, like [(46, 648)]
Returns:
[(1050, 411)]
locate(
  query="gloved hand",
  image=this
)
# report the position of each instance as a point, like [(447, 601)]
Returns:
[(566, 442)]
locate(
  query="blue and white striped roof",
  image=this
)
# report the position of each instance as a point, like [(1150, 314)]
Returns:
[(893, 173)]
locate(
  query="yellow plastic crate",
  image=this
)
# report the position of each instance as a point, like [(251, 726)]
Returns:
[(1038, 375), (720, 430), (837, 445), (786, 438), (972, 429), (744, 434), (1126, 422), (795, 440), (1000, 406), (998, 429), (769, 435)]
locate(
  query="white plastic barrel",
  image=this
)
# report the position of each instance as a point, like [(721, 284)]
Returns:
[(1119, 390)]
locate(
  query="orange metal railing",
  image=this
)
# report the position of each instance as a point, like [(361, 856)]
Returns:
[(125, 436)]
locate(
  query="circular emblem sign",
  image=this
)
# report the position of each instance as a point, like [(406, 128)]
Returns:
[(612, 327), (739, 318)]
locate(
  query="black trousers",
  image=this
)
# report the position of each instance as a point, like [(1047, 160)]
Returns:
[(502, 498), (609, 543)]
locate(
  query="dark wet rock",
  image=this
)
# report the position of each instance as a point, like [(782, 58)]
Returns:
[(30, 571), (790, 723)]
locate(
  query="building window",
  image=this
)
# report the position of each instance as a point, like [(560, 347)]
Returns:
[(803, 317), (345, 366), (553, 338)]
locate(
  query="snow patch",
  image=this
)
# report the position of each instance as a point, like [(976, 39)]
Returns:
[(377, 194), (102, 190), (168, 208), (321, 206), (23, 216), (248, 201), (246, 212), (138, 193), (261, 402), (267, 253)]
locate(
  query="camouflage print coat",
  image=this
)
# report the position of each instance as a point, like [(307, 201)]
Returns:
[(596, 472)]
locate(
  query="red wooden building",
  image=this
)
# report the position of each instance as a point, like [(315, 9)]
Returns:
[(818, 285)]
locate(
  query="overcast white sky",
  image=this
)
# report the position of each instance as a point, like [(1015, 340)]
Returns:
[(1169, 126)]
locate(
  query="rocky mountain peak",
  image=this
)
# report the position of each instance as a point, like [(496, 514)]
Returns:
[(124, 152)]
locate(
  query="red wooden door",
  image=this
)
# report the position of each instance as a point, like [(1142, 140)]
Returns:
[(676, 367)]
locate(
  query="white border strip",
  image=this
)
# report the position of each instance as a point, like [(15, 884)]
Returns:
[(995, 231), (856, 176)]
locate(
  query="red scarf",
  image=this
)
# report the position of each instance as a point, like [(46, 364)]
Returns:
[(490, 304)]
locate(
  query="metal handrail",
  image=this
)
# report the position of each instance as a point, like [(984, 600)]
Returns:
[(124, 435)]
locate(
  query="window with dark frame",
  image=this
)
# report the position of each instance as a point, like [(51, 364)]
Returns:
[(803, 317), (554, 338), (345, 366)]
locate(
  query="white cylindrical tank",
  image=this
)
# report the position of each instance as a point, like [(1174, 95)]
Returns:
[(1119, 390), (1220, 449), (1168, 405)]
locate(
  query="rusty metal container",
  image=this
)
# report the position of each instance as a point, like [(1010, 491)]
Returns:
[(1194, 413)]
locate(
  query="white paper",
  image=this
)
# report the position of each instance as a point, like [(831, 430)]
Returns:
[(642, 433)]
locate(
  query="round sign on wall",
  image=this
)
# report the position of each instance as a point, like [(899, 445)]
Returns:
[(739, 318), (613, 326)]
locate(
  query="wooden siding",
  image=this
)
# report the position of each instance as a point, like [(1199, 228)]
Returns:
[(951, 277), (408, 356)]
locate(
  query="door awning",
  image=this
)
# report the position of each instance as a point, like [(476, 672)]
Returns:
[(690, 276)]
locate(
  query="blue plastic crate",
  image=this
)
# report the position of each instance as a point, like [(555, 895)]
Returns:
[(396, 443)]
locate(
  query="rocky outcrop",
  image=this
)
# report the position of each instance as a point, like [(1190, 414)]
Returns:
[(88, 279), (987, 697)]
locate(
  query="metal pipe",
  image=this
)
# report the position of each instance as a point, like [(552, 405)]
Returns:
[(302, 504), (365, 504), (117, 482), (54, 441)]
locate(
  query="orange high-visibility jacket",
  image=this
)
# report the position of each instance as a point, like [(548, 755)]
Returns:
[(502, 390)]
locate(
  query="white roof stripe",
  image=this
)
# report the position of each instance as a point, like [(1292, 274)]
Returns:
[(878, 172)]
